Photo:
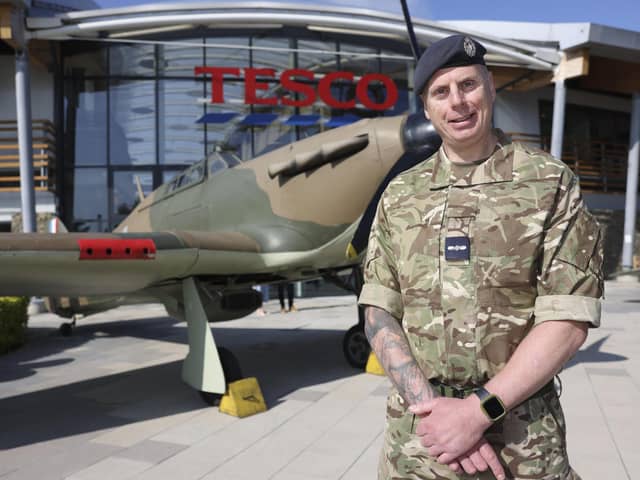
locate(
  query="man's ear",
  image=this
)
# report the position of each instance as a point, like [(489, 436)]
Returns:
[(492, 86), (424, 106)]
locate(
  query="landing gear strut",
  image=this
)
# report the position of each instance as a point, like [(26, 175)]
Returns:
[(232, 372)]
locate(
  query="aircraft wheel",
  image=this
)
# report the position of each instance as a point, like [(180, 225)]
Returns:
[(356, 347), (66, 329), (232, 372)]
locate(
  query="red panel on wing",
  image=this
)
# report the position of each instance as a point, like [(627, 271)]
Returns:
[(117, 249)]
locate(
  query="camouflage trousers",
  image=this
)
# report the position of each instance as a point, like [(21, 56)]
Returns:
[(530, 442)]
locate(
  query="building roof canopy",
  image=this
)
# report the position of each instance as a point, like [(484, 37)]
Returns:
[(132, 22)]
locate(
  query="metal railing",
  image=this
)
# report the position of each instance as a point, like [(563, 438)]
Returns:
[(43, 138), (601, 166)]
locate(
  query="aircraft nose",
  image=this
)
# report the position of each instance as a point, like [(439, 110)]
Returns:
[(418, 134)]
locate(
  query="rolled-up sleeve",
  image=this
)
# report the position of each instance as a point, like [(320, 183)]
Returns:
[(570, 283), (381, 288)]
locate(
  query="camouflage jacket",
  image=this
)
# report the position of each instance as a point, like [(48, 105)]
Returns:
[(535, 254)]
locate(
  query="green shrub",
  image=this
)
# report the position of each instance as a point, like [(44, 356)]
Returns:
[(13, 322)]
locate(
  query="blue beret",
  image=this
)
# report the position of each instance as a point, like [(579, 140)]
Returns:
[(453, 51)]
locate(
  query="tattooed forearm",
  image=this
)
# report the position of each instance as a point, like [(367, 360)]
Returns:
[(390, 345)]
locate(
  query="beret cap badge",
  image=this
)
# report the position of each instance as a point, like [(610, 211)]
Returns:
[(469, 47)]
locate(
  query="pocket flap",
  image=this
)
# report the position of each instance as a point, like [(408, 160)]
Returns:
[(462, 211)]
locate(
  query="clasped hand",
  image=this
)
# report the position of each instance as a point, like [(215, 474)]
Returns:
[(452, 431)]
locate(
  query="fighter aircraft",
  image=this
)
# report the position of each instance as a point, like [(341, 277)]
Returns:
[(200, 242)]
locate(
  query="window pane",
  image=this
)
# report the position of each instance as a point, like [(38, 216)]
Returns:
[(223, 131), (132, 60), (125, 193), (231, 52), (345, 91), (219, 161), (358, 59), (317, 56), (168, 175), (181, 138), (90, 206), (133, 120), (85, 59), (86, 115), (399, 71), (180, 60), (280, 58)]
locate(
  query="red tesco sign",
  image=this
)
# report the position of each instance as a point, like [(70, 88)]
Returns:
[(290, 85)]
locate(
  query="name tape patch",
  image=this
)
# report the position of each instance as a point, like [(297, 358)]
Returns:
[(457, 248)]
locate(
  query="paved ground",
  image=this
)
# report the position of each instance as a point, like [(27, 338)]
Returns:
[(108, 403)]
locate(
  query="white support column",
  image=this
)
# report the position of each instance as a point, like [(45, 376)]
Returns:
[(631, 198), (557, 129), (23, 116)]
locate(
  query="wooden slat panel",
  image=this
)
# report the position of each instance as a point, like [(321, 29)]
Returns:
[(17, 189), (36, 156), (43, 144), (35, 146), (17, 179), (600, 166), (14, 165)]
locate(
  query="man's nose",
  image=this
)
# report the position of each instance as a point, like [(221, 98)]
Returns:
[(456, 97)]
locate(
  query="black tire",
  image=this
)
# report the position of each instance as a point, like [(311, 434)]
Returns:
[(232, 372), (356, 347), (66, 329)]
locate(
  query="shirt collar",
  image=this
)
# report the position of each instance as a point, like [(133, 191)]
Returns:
[(497, 168)]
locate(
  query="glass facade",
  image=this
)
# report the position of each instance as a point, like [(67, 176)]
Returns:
[(138, 112)]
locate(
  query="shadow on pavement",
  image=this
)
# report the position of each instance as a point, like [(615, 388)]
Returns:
[(283, 360), (592, 354), (47, 342)]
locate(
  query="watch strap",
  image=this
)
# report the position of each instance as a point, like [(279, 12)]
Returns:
[(482, 393)]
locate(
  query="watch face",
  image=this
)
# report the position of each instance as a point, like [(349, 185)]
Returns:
[(493, 407)]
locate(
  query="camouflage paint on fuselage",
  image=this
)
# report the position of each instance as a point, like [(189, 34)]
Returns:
[(230, 229), (283, 214)]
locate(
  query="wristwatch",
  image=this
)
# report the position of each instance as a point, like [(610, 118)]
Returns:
[(490, 404)]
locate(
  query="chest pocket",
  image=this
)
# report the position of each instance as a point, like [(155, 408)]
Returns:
[(419, 252), (509, 235)]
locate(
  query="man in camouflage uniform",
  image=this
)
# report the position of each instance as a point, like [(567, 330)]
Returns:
[(482, 276)]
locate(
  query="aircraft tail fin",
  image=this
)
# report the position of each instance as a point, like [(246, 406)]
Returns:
[(55, 225)]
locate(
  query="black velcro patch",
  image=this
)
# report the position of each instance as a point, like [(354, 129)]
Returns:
[(457, 248)]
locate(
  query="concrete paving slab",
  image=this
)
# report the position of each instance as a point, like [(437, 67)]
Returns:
[(208, 454), (108, 402), (55, 459), (271, 455), (200, 426), (332, 455), (113, 468), (365, 466), (133, 433), (151, 451)]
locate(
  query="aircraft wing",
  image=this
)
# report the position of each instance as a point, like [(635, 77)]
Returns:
[(79, 264)]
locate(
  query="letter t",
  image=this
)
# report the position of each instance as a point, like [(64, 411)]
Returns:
[(217, 80)]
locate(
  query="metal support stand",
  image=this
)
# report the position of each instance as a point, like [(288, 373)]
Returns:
[(631, 197), (23, 116), (557, 129)]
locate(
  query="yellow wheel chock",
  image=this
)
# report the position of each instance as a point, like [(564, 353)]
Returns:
[(373, 365), (243, 398)]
